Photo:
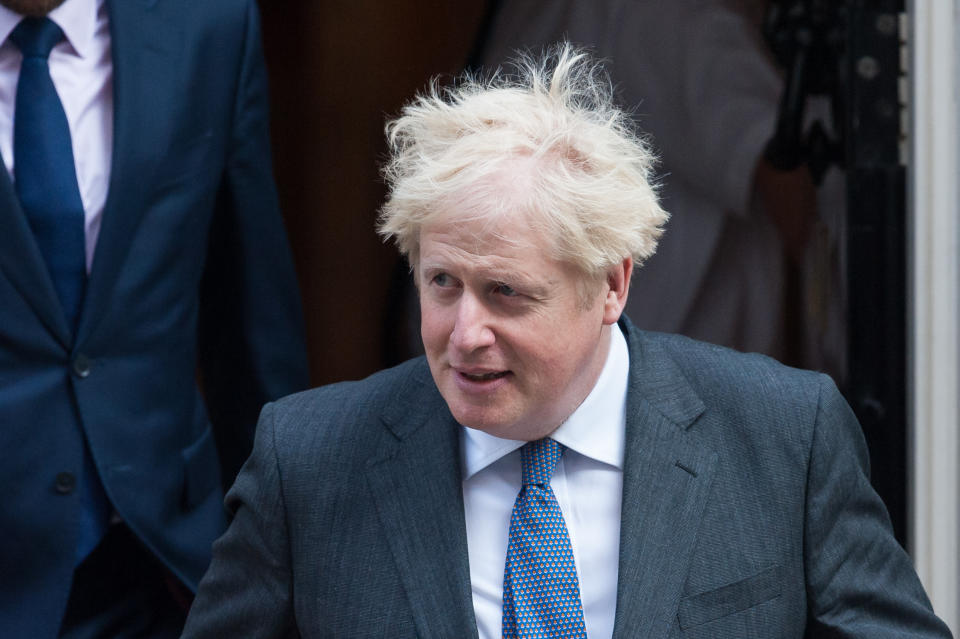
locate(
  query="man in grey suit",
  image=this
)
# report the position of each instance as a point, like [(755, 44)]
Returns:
[(548, 469)]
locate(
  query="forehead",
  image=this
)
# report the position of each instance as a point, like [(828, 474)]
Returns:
[(480, 242), (494, 212)]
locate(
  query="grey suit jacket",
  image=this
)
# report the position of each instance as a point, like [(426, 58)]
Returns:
[(747, 512)]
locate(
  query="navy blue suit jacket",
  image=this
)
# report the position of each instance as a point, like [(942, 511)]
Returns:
[(191, 269)]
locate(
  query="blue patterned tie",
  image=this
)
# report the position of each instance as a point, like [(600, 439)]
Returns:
[(46, 184), (45, 178), (541, 594)]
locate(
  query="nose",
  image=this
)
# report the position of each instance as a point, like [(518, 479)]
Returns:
[(472, 328)]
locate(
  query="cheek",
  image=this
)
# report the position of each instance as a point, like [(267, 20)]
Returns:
[(557, 366), (562, 360), (541, 354), (434, 328)]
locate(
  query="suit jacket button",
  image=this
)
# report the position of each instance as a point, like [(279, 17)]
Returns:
[(81, 366), (65, 483)]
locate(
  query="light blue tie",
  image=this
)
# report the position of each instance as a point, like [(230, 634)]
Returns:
[(46, 183), (541, 594)]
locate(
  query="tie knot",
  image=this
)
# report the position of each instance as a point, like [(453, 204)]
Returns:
[(36, 37), (538, 459)]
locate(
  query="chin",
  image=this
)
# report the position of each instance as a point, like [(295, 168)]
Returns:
[(481, 420), (473, 419), (502, 428)]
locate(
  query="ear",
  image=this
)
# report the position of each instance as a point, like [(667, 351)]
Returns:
[(618, 283)]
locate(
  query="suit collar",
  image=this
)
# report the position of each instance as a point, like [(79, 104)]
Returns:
[(415, 479), (415, 476), (146, 46), (9, 19), (667, 478), (656, 379), (414, 402), (24, 266), (20, 259), (78, 19)]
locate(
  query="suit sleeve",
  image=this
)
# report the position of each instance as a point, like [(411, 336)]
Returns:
[(251, 335), (860, 582), (247, 592)]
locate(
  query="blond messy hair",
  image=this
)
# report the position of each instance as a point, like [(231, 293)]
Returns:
[(589, 185)]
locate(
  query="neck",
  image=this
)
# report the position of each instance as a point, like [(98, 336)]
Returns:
[(33, 8), (589, 381)]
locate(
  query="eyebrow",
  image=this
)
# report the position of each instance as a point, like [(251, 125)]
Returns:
[(519, 280), (509, 276)]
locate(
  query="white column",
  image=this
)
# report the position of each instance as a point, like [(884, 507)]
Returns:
[(934, 320)]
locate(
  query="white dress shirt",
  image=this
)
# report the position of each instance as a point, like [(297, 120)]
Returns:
[(588, 483), (82, 71)]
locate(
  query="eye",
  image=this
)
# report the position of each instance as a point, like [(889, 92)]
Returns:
[(505, 290), (442, 279)]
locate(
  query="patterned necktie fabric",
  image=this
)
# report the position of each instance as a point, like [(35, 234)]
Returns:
[(44, 172), (541, 593)]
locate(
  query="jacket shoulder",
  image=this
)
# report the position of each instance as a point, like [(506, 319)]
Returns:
[(346, 416), (717, 370), (745, 393), (719, 374)]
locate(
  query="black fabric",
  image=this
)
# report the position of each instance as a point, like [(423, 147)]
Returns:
[(121, 591)]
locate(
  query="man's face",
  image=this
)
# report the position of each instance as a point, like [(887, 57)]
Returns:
[(511, 345), (37, 8)]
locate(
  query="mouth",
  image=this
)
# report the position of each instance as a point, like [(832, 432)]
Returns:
[(484, 377), (480, 383)]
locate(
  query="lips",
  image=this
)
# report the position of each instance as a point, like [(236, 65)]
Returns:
[(479, 374), (484, 377)]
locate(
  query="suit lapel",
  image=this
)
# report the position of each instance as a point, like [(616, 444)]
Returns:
[(145, 48), (22, 262), (666, 483), (416, 482)]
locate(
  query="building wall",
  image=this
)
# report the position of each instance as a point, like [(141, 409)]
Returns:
[(337, 69)]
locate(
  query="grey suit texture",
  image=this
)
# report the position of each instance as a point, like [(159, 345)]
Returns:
[(747, 512)]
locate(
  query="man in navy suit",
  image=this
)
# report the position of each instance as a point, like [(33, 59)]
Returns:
[(148, 303), (549, 469)]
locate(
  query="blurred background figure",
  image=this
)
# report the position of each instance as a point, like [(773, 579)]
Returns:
[(752, 256)]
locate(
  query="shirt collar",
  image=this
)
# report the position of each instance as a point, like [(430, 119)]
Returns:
[(597, 429), (77, 18)]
